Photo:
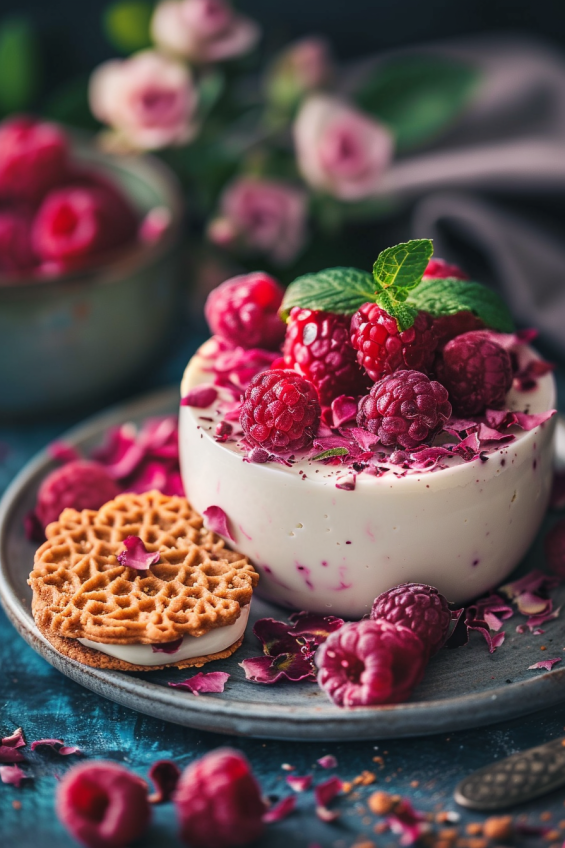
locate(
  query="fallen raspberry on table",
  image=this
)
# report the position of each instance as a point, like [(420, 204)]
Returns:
[(382, 348), (440, 269), (419, 607), (317, 346), (280, 411), (405, 408), (33, 158), (447, 327), (103, 805), (219, 802), (370, 662), (81, 484), (244, 310), (476, 371)]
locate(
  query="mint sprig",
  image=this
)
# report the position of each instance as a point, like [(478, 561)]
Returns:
[(396, 272), (339, 290), (449, 296)]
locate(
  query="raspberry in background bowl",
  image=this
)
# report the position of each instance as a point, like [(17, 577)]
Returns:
[(79, 330)]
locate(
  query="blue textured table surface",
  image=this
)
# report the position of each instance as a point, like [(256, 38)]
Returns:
[(46, 704)]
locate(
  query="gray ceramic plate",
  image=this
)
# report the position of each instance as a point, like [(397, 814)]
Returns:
[(462, 688)]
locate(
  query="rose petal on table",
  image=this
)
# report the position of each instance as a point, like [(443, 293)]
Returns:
[(299, 784), (10, 755), (57, 745), (325, 792), (213, 681), (217, 521), (16, 740), (12, 774), (164, 774), (545, 664), (281, 810), (327, 762), (136, 554)]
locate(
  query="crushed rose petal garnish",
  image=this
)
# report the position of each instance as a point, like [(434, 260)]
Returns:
[(327, 762), (164, 774), (10, 755), (200, 397), (294, 667), (281, 810), (15, 740), (57, 745), (213, 681), (13, 775), (408, 822), (217, 521), (325, 792), (299, 784), (136, 554)]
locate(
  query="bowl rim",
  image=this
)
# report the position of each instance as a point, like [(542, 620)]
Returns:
[(123, 262)]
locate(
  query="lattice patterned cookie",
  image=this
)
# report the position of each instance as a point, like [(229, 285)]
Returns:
[(80, 590)]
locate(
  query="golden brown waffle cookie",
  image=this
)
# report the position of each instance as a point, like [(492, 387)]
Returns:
[(81, 590)]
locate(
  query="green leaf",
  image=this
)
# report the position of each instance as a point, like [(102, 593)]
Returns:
[(18, 65), (329, 453), (449, 296), (127, 25), (404, 313), (338, 290), (418, 97), (402, 266), (210, 88)]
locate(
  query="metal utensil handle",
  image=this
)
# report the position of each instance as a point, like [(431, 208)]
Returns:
[(515, 779)]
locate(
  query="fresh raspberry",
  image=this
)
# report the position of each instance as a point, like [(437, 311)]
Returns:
[(280, 411), (33, 158), (370, 662), (103, 805), (78, 222), (405, 408), (440, 269), (419, 607), (81, 484), (447, 327), (16, 254), (317, 346), (219, 802), (382, 348), (477, 372), (244, 310)]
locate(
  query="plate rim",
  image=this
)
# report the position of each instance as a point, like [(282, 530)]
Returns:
[(230, 715)]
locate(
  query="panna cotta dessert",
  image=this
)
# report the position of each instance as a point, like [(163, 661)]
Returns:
[(368, 430)]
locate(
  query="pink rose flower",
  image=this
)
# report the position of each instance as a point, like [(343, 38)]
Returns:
[(203, 30), (339, 149), (267, 216), (149, 99)]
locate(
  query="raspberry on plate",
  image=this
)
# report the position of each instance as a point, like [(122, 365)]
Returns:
[(103, 805), (81, 484), (370, 662), (280, 411), (317, 346), (33, 158), (447, 327), (419, 607), (440, 269), (476, 371), (383, 348), (405, 408), (244, 310), (218, 801)]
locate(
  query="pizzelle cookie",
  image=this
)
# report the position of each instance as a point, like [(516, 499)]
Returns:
[(82, 592)]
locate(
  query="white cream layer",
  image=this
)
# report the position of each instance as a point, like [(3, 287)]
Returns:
[(192, 646)]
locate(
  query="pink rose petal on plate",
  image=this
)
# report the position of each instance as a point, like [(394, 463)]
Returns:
[(292, 666), (281, 810), (545, 664), (217, 521), (10, 755), (534, 621), (344, 409), (136, 554), (12, 774), (213, 681), (327, 762), (276, 637), (200, 397), (168, 647), (314, 627), (164, 774), (16, 740), (299, 784)]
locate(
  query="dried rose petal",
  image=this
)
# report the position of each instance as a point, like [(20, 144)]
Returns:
[(281, 810), (136, 554), (344, 409), (16, 740), (103, 805), (549, 614), (554, 547), (213, 681), (168, 647), (325, 792), (327, 762), (10, 755), (299, 784), (314, 627), (164, 774), (408, 822), (502, 419), (293, 667), (200, 397), (57, 745), (12, 774), (276, 637), (217, 521), (545, 664)]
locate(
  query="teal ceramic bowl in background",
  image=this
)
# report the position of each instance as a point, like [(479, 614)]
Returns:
[(76, 339)]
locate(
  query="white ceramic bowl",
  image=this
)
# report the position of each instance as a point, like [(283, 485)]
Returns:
[(462, 529)]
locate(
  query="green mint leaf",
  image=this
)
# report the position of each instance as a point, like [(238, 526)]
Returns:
[(403, 265), (404, 313), (338, 290), (331, 452), (449, 296), (418, 97)]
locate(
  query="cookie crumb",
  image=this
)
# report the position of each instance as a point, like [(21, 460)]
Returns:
[(498, 827)]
